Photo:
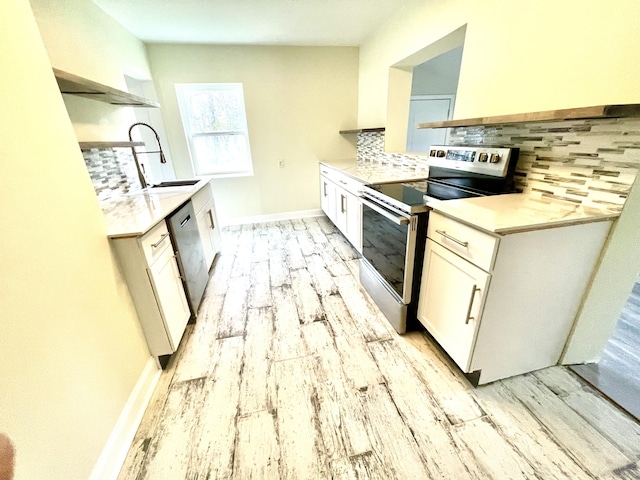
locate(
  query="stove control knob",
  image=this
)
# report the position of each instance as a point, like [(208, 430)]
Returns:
[(495, 158), (432, 153), (483, 157), (441, 153)]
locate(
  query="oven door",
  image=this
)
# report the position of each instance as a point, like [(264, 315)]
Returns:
[(388, 246)]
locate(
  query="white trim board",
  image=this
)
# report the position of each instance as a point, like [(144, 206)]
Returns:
[(115, 450), (274, 217)]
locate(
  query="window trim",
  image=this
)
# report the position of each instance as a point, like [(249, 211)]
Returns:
[(181, 88)]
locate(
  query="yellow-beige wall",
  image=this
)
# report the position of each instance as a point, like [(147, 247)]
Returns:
[(81, 39), (297, 99), (524, 57), (70, 343)]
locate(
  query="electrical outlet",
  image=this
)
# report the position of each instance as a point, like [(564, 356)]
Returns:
[(281, 163)]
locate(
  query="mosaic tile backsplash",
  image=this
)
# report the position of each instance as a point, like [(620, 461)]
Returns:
[(588, 162), (112, 171)]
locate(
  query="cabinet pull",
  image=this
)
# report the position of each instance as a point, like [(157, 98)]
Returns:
[(324, 188), (342, 207), (473, 296), (157, 244), (453, 239), (342, 182), (213, 225)]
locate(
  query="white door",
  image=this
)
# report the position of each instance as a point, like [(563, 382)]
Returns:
[(423, 109), (451, 299)]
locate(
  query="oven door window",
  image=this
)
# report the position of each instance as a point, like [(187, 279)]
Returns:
[(384, 246)]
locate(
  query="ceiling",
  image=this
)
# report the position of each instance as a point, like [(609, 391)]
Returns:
[(252, 22)]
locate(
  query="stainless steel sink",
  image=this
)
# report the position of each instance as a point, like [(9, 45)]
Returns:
[(170, 186), (175, 183)]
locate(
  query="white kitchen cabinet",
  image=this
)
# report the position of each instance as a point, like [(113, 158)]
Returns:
[(455, 291), (340, 201), (503, 305), (328, 197), (204, 206), (151, 271)]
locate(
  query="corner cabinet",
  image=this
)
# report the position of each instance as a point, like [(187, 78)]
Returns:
[(151, 271), (503, 305), (340, 201), (204, 206)]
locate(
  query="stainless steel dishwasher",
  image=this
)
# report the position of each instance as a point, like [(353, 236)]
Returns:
[(190, 254)]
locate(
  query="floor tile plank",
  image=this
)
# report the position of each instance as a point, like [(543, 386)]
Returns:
[(288, 342), (420, 412), (306, 297), (358, 364), (234, 310), (536, 443), (576, 434), (302, 455), (216, 429), (340, 413), (616, 425), (391, 439), (367, 317), (257, 453), (258, 383)]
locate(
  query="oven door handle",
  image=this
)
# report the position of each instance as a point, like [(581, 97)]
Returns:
[(398, 220)]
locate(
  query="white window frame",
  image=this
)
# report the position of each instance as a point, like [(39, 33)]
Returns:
[(246, 169)]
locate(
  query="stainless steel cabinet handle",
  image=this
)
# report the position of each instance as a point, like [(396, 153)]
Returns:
[(473, 296), (342, 182), (157, 244), (213, 225), (342, 207), (453, 239), (324, 188)]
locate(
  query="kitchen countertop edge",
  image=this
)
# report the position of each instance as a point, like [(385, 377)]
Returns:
[(170, 202), (512, 213)]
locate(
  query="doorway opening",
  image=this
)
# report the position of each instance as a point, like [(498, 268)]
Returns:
[(617, 373)]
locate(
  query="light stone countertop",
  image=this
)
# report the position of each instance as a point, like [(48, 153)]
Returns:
[(518, 212), (370, 172), (135, 213)]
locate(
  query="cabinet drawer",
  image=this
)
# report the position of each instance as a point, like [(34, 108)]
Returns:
[(478, 247), (342, 180), (200, 199), (155, 242)]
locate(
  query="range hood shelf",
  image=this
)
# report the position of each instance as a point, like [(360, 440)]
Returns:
[(114, 144), (74, 85), (362, 130), (601, 111)]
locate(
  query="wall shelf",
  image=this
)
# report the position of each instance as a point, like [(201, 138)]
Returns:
[(362, 130), (601, 111), (90, 145), (74, 85)]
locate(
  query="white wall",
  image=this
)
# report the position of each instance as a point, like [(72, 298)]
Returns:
[(523, 57), (70, 341), (297, 99)]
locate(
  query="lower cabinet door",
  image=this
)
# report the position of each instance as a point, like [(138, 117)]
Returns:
[(170, 296), (452, 296)]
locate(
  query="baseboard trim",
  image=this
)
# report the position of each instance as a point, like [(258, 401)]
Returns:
[(274, 217), (115, 451)]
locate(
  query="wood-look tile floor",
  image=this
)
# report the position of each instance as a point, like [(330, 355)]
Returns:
[(291, 372)]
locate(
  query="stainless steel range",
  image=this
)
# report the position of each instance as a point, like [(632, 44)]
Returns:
[(395, 216)]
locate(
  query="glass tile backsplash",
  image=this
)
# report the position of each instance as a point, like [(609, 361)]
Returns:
[(588, 162)]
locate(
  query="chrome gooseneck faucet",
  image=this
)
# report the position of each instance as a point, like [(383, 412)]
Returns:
[(139, 167)]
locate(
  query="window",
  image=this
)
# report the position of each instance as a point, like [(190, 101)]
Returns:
[(215, 125)]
